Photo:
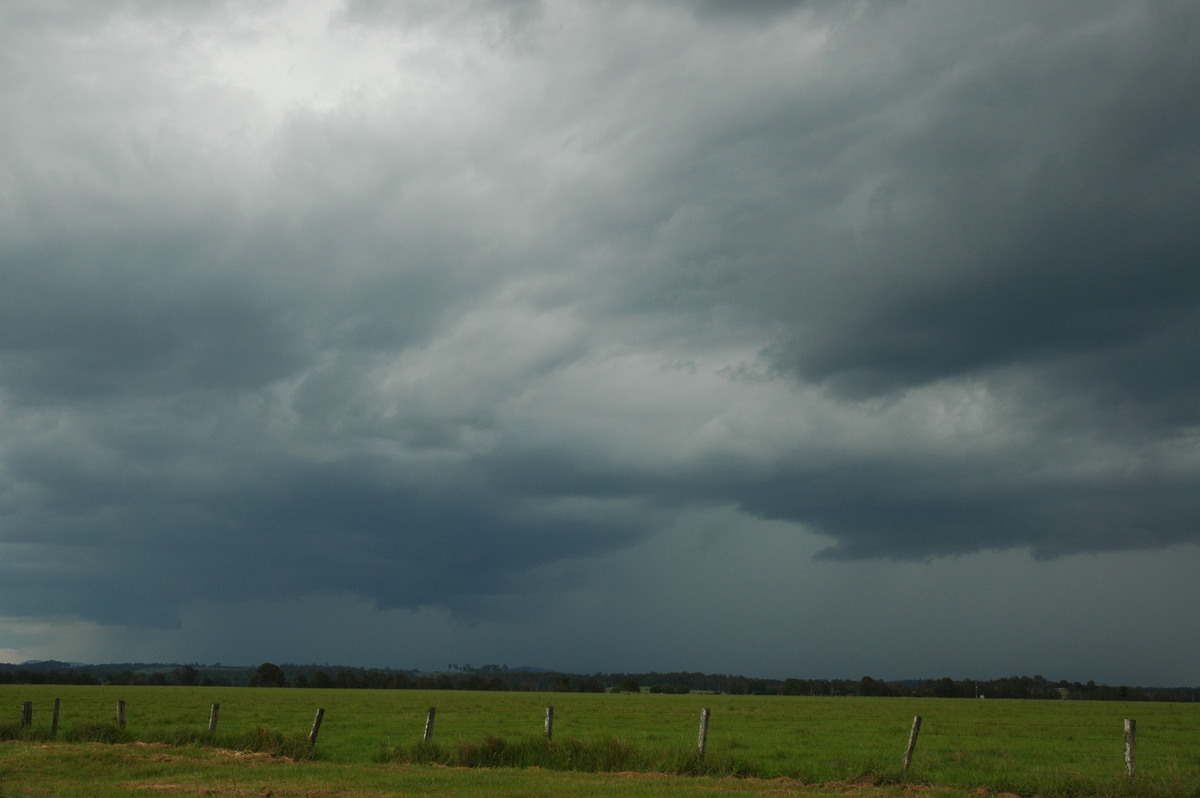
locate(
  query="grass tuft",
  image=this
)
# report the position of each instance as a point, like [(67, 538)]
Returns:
[(98, 732), (603, 755)]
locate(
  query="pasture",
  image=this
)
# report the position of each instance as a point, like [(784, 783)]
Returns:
[(756, 745)]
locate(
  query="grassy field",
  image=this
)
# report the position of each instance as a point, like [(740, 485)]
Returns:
[(769, 745)]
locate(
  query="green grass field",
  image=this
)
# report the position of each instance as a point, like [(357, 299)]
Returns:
[(756, 745)]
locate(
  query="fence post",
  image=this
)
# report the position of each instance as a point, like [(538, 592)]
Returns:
[(121, 713), (1130, 746), (702, 743), (213, 714), (549, 723), (316, 727), (27, 714), (429, 724), (54, 719), (912, 742)]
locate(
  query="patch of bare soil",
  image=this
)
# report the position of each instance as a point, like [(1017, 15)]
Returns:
[(251, 756), (176, 789)]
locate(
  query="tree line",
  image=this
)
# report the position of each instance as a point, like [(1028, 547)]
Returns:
[(501, 678)]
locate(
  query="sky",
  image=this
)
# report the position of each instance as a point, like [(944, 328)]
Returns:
[(779, 338)]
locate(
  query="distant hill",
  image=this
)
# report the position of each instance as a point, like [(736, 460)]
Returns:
[(50, 664)]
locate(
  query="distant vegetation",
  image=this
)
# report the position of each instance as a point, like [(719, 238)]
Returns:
[(501, 678)]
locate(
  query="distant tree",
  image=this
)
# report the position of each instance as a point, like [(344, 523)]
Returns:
[(187, 676), (321, 679), (121, 678), (871, 687), (629, 685), (945, 688), (793, 686), (268, 675), (374, 680)]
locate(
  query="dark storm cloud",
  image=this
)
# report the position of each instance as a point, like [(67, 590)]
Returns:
[(268, 526), (1033, 227), (1025, 183), (437, 299), (919, 510), (1026, 186)]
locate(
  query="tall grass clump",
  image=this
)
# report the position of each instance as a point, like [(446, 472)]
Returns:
[(97, 732), (260, 739), (601, 755), (15, 731), (183, 736)]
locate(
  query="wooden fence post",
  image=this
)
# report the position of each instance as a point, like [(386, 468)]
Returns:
[(429, 724), (27, 714), (54, 718), (316, 727), (549, 723), (121, 713), (702, 743), (912, 742), (1130, 746), (213, 714)]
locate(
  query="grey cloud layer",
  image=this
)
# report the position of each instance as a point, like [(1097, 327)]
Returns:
[(503, 289)]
